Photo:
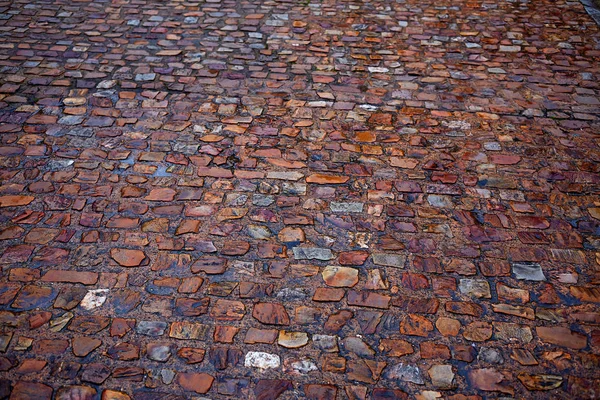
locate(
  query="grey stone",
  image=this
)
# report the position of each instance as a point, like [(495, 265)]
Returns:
[(81, 132), (145, 77), (285, 175), (303, 366), (441, 201), (312, 253), (479, 288), (236, 199), (346, 207), (294, 189), (492, 146), (490, 355), (59, 164), (71, 120), (510, 49), (529, 271), (158, 352), (151, 328), (442, 376), (185, 148), (291, 294), (167, 376), (106, 84), (357, 346), (262, 200), (389, 260), (325, 343), (406, 373)]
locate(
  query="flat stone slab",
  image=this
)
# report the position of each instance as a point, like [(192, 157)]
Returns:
[(528, 271)]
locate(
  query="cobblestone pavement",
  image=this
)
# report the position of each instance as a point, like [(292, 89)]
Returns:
[(299, 199)]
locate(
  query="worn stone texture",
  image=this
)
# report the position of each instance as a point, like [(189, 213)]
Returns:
[(299, 199)]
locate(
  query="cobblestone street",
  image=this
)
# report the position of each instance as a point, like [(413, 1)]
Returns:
[(307, 199)]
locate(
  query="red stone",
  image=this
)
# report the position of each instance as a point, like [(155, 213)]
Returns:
[(195, 382)]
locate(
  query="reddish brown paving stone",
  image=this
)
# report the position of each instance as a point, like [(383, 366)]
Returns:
[(228, 310), (51, 346), (31, 297), (340, 276), (323, 179), (82, 345), (209, 265), (320, 392), (271, 388), (562, 336), (395, 347), (163, 194), (30, 366), (489, 379), (191, 355), (255, 335), (271, 313), (195, 382), (128, 257), (15, 254), (86, 278), (24, 390)]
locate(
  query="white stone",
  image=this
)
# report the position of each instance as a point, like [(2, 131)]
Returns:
[(377, 69), (94, 298), (261, 360), (303, 366)]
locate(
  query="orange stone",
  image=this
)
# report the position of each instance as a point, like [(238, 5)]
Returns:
[(271, 313), (128, 257), (195, 382), (323, 179), (56, 275), (13, 201), (161, 194)]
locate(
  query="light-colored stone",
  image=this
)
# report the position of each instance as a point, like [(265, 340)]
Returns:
[(441, 376), (346, 207), (406, 373), (529, 271), (389, 260), (94, 299), (478, 288), (283, 175), (325, 343), (292, 340), (340, 276), (261, 360), (312, 253)]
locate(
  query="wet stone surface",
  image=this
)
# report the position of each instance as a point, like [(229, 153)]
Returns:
[(299, 200)]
